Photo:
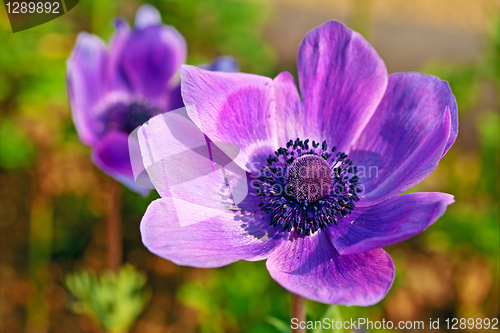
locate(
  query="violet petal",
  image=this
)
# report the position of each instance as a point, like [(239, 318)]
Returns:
[(233, 107), (111, 155), (86, 74), (311, 267), (342, 80), (388, 222), (406, 137), (146, 16), (289, 114), (212, 242), (150, 59), (115, 75)]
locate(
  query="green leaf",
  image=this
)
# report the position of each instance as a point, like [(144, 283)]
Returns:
[(333, 311), (279, 324), (115, 300), (15, 149)]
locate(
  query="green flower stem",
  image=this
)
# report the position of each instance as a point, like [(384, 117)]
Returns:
[(115, 251)]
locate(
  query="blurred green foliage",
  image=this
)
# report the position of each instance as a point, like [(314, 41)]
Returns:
[(219, 27), (493, 52), (236, 296), (474, 180), (489, 134), (114, 299), (16, 150)]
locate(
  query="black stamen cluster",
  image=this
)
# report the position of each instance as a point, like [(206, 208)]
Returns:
[(126, 117), (283, 183)]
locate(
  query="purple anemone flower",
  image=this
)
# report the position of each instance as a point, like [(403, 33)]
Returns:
[(114, 90), (324, 169)]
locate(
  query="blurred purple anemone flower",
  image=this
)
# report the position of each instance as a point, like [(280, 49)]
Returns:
[(323, 169), (114, 90)]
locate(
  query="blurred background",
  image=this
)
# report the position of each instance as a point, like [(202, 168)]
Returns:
[(54, 201)]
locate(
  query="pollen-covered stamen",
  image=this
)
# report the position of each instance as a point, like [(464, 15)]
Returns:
[(306, 188), (309, 178)]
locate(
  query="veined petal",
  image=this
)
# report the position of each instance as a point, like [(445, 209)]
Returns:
[(291, 119), (174, 150), (181, 163), (342, 80), (406, 137), (233, 107), (388, 222), (221, 64), (211, 240), (311, 267)]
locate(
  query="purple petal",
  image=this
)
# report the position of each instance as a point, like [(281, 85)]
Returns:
[(342, 80), (112, 151), (311, 267), (406, 137), (292, 121), (233, 107), (116, 77), (141, 176), (111, 155), (86, 82), (452, 106), (388, 222), (150, 59), (212, 242), (222, 64), (182, 165), (146, 16), (175, 99), (171, 143)]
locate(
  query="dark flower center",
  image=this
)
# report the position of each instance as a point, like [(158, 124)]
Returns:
[(307, 188), (126, 117), (309, 177)]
